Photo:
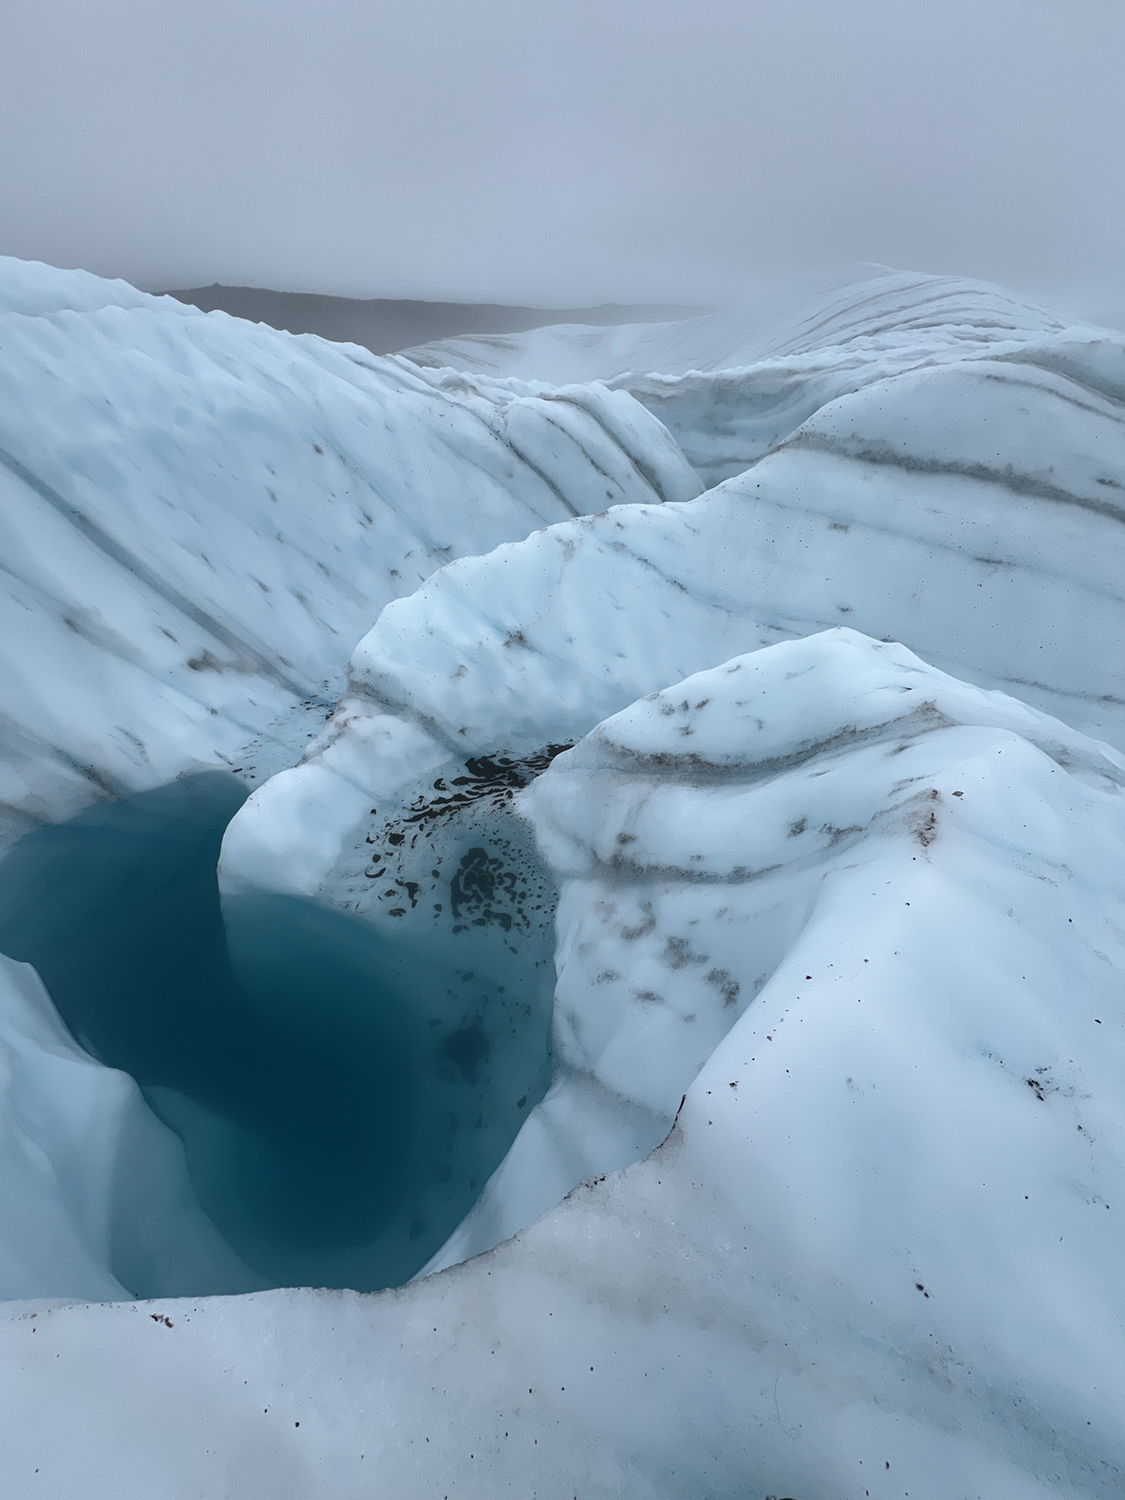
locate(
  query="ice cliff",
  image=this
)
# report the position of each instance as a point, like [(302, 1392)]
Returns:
[(825, 765)]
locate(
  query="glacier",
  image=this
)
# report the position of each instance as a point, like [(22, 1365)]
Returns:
[(731, 385), (764, 671), (201, 517)]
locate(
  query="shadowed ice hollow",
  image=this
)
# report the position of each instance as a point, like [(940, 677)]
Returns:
[(342, 1095)]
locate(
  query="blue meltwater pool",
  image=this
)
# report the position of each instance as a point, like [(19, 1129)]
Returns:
[(343, 1090)]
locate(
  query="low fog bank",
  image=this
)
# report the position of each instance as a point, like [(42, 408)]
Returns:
[(384, 325)]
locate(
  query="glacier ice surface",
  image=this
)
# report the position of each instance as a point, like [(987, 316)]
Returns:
[(199, 517), (836, 1099), (880, 1246)]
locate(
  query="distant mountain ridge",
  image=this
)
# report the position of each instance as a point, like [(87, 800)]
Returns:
[(385, 326)]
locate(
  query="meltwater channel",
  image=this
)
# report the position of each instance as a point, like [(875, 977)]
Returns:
[(342, 1095)]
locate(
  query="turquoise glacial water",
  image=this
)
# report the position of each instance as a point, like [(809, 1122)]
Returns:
[(342, 1094)]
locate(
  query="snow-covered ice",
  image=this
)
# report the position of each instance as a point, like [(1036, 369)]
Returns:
[(839, 846)]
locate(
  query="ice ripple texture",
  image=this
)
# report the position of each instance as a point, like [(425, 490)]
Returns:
[(839, 851)]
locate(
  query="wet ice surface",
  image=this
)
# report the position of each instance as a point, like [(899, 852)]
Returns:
[(342, 1094)]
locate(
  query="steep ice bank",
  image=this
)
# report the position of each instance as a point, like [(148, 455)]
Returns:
[(879, 1252)]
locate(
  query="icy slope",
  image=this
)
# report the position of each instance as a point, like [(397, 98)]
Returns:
[(199, 518), (880, 1252), (732, 385)]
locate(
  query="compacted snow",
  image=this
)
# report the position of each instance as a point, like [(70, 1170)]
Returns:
[(813, 780)]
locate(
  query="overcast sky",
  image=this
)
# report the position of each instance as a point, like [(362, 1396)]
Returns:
[(564, 152)]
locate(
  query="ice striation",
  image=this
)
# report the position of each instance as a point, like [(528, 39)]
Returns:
[(815, 782), (732, 385)]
